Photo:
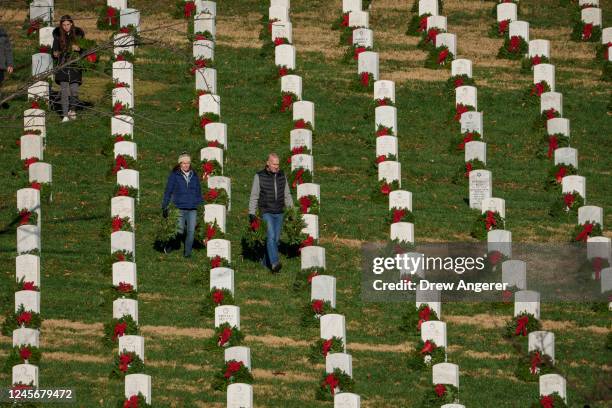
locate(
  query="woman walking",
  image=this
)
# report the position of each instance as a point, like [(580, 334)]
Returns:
[(65, 45), (183, 188)]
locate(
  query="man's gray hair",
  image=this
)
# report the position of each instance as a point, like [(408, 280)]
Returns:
[(272, 155)]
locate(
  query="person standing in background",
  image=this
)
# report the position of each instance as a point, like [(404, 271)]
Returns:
[(6, 59)]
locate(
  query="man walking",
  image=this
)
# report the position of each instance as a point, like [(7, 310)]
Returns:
[(270, 194), (6, 59)]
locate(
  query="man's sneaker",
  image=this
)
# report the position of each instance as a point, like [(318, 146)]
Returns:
[(276, 267), (66, 119)]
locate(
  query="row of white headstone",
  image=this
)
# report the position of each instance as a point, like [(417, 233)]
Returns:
[(125, 272), (221, 278), (323, 287), (596, 246), (591, 13)]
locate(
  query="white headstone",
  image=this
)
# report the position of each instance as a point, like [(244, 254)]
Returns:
[(428, 7), (312, 225), (282, 29), (129, 17), (123, 307), (552, 100), (342, 361), (204, 22), (590, 213), (123, 72), (539, 47), (500, 240), (544, 72), (301, 137), (599, 247), (435, 331), (606, 282), (216, 131), (368, 62), (466, 95), (42, 63), (495, 205), (238, 353), (28, 198), (293, 84), (281, 3), (566, 155), (122, 125), (551, 383), (219, 247), (347, 400), (306, 189), (384, 89), (312, 257), (209, 103), (25, 374), (123, 207), (606, 35), (41, 9), (204, 49), (351, 5), (227, 314), (390, 171), (520, 29), (543, 341), (514, 273), (461, 66), (27, 267), (126, 148), (125, 272), (28, 238), (118, 4), (34, 119), (206, 80), (589, 3), (302, 161), (431, 298), (24, 336), (29, 299), (363, 37), (40, 172), (438, 22), (506, 11), (206, 7), (323, 287), (222, 278), (448, 40), (123, 42), (333, 325), (39, 89), (123, 241), (527, 301), (128, 177), (138, 383), (471, 121), (215, 213), (481, 187), (278, 13), (386, 116), (31, 146), (304, 110), (359, 18), (221, 182), (569, 184), (558, 125), (239, 395), (445, 373), (591, 15), (284, 55), (402, 231), (45, 36), (386, 145), (132, 344), (476, 150)]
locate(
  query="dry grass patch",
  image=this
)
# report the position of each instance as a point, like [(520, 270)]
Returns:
[(483, 320), (326, 40), (172, 331), (417, 74), (258, 302), (150, 297), (286, 376), (239, 32), (451, 6), (347, 242), (81, 358), (401, 5)]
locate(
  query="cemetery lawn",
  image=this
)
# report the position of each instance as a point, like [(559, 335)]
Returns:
[(75, 262)]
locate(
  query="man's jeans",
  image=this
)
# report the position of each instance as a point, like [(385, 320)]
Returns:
[(274, 224), (188, 217)]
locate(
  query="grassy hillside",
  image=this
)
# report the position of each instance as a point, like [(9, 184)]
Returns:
[(75, 268)]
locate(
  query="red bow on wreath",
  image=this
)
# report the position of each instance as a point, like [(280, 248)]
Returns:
[(207, 169), (536, 60), (358, 51), (210, 233), (326, 347), (224, 336), (587, 32), (568, 200), (132, 402), (503, 26), (317, 306), (286, 102), (422, 24), (490, 220), (550, 113), (385, 189), (424, 315), (428, 348), (521, 326), (547, 401), (398, 215), (460, 109), (309, 241), (119, 330), (218, 297), (515, 44), (345, 20), (120, 163), (305, 204), (365, 79), (536, 360), (467, 138), (332, 382), (560, 174), (553, 144), (298, 178), (440, 390), (189, 9), (468, 169), (232, 368), (117, 224), (442, 56)]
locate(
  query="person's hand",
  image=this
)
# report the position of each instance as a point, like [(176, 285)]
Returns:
[(165, 212), (252, 218), (76, 48), (9, 69), (56, 54)]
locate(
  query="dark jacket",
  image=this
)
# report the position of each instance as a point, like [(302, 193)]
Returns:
[(270, 193), (6, 51), (185, 196), (71, 73)]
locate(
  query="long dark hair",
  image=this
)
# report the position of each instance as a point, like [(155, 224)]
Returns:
[(65, 39)]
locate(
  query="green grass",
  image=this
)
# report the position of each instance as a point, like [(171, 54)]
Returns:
[(74, 262)]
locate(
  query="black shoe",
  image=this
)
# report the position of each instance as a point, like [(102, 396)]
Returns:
[(5, 105), (276, 267)]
